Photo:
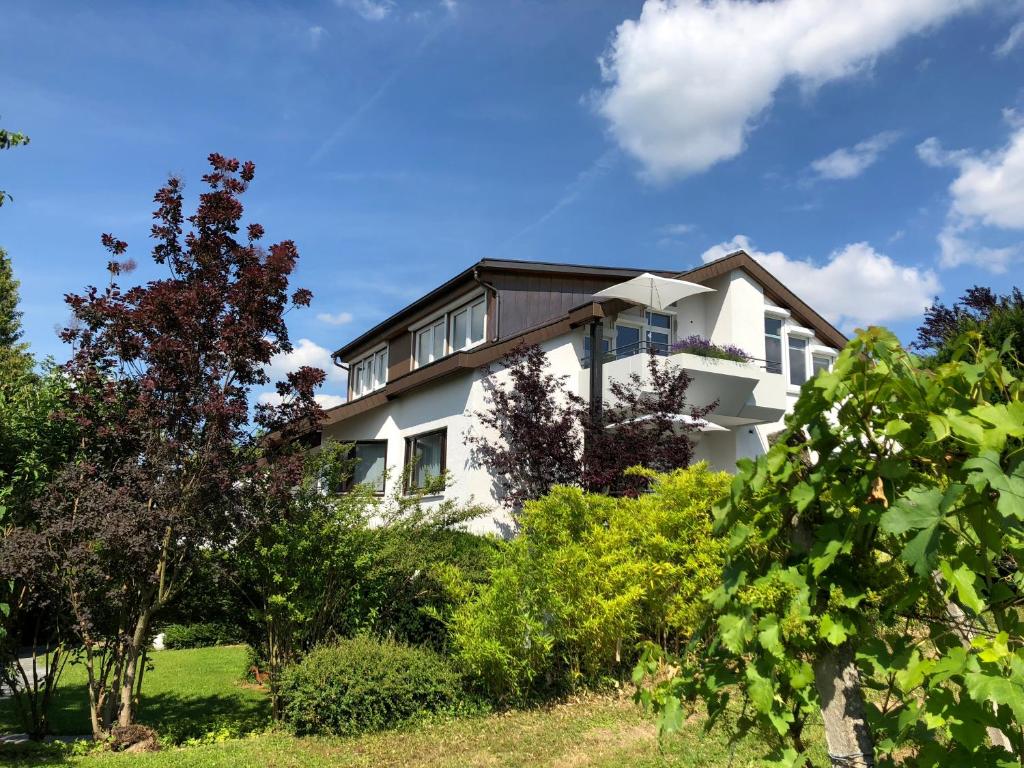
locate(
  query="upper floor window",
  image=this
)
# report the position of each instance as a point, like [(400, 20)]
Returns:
[(460, 328), (430, 342), (370, 373), (820, 363), (656, 332), (773, 344), (467, 325), (797, 360)]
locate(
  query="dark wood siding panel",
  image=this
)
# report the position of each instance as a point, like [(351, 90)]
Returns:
[(526, 301), (399, 356)]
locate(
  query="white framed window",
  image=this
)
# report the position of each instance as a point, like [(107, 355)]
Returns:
[(657, 332), (430, 342), (370, 373), (467, 324), (797, 360), (773, 344)]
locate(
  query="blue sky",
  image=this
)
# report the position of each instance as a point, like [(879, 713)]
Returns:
[(870, 153)]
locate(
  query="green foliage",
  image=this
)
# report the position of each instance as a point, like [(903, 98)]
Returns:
[(887, 521), (327, 565), (362, 684), (177, 636), (586, 579), (9, 139)]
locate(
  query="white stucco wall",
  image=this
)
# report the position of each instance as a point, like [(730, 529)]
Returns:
[(449, 404), (733, 314)]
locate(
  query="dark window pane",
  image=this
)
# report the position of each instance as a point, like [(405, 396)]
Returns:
[(773, 326), (773, 354), (370, 465), (797, 361), (459, 324), (657, 342), (476, 328), (820, 363), (627, 340), (657, 320), (427, 452)]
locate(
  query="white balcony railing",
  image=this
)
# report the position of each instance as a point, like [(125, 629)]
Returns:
[(746, 392)]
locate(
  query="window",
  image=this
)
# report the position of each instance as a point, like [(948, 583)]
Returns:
[(426, 454), (371, 459), (659, 326), (430, 342), (773, 344), (370, 373), (467, 325), (820, 363), (627, 340), (797, 360)]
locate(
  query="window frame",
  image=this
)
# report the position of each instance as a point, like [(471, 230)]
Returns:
[(410, 442), (447, 318), (350, 482), (776, 366), (362, 374), (803, 351)]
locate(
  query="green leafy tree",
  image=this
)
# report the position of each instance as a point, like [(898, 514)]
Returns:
[(998, 318), (9, 139), (872, 575)]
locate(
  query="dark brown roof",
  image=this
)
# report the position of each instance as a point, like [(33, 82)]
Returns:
[(466, 276), (489, 353)]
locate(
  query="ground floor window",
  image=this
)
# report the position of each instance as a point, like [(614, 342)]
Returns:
[(371, 460), (426, 455)]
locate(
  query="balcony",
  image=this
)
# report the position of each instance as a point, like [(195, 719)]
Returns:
[(747, 392)]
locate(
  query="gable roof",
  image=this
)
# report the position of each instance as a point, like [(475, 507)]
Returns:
[(490, 352), (469, 275), (773, 288)]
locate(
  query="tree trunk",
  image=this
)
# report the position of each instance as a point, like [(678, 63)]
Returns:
[(133, 653), (966, 630), (847, 734)]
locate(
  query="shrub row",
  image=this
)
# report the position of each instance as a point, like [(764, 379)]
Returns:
[(200, 635)]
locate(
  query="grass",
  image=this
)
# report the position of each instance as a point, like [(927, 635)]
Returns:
[(186, 694), (592, 732), (197, 692)]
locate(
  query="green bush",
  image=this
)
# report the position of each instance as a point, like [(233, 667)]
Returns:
[(588, 578), (362, 684), (200, 635)]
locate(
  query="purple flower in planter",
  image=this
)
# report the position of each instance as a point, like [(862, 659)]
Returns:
[(698, 345)]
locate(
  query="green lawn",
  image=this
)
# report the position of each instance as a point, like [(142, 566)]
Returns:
[(185, 695), (191, 693)]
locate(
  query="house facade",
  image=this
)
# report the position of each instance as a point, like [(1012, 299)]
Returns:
[(417, 379)]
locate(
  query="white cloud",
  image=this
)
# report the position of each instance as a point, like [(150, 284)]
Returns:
[(371, 10), (956, 248), (678, 229), (1015, 38), (316, 36), (307, 352), (338, 318), (989, 191), (688, 79), (851, 162), (856, 286), (990, 187), (325, 401)]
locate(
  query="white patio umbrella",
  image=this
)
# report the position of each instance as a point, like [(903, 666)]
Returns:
[(679, 418), (653, 291)]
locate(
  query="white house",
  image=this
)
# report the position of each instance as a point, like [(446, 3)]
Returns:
[(415, 380)]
